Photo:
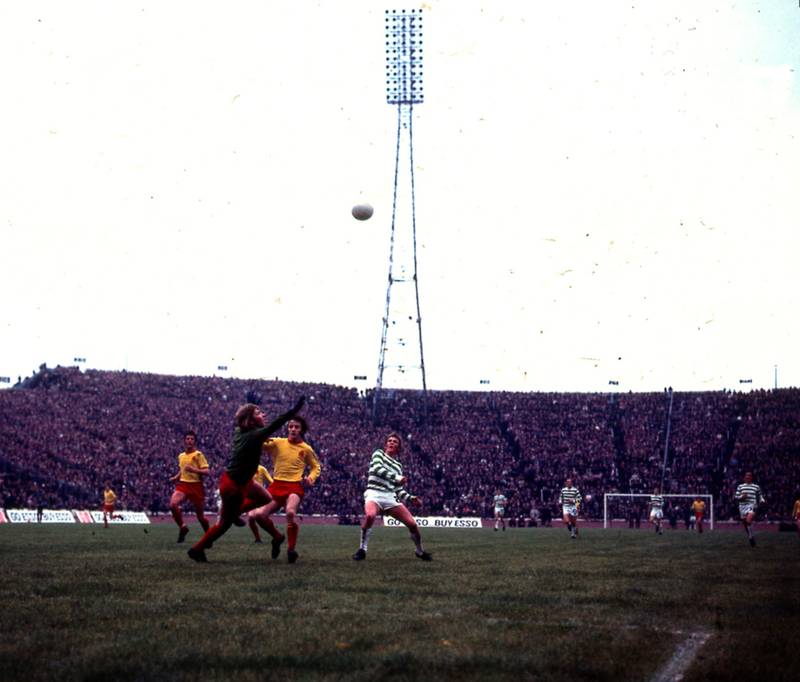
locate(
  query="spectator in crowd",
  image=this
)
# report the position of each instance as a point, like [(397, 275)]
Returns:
[(100, 418)]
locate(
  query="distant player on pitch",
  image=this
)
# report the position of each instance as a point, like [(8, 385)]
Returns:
[(570, 501), (109, 502), (385, 494), (263, 478), (796, 514), (657, 509), (192, 468), (698, 509), (749, 496), (500, 502)]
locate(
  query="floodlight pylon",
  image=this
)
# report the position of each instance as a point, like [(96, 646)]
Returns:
[(401, 362)]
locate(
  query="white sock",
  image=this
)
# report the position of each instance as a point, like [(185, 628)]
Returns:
[(365, 538)]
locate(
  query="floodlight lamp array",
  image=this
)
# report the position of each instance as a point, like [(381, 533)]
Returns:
[(404, 57)]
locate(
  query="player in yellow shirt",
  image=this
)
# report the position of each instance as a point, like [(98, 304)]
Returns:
[(698, 509), (238, 491), (263, 478), (109, 500), (192, 468), (291, 456)]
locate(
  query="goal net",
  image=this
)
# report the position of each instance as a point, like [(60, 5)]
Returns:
[(634, 509)]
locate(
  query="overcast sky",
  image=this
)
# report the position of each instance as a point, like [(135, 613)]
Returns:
[(604, 190)]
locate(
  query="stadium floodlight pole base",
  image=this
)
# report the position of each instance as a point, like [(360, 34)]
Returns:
[(703, 496)]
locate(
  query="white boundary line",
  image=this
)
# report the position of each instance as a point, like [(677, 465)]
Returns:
[(502, 620), (672, 671), (683, 657)]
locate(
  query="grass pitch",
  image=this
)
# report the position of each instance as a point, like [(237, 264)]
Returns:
[(85, 603)]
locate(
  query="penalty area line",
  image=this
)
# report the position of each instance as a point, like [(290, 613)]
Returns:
[(684, 654)]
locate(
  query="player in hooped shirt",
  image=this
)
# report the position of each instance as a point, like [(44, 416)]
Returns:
[(570, 500), (749, 496), (500, 501), (657, 509)]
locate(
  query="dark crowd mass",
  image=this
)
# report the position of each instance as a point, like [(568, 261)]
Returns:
[(64, 432)]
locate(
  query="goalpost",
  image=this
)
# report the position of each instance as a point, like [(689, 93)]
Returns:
[(629, 497)]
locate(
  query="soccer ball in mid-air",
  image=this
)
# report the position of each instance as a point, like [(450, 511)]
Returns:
[(362, 211), (588, 498)]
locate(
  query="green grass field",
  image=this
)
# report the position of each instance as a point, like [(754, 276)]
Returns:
[(85, 603)]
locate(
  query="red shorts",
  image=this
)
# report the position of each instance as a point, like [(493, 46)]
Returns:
[(280, 490), (238, 498), (194, 492), (698, 516), (108, 508)]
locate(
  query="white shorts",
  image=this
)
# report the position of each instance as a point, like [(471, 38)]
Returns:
[(745, 509), (656, 514), (499, 512), (569, 510), (383, 500)]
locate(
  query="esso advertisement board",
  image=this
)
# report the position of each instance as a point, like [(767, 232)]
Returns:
[(31, 516), (69, 516), (437, 522), (121, 517)]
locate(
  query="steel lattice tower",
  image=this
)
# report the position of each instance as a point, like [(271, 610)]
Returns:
[(399, 364)]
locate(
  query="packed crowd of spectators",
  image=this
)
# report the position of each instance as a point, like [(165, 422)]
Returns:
[(64, 432)]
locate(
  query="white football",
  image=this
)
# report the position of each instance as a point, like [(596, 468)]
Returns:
[(588, 498), (362, 211)]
